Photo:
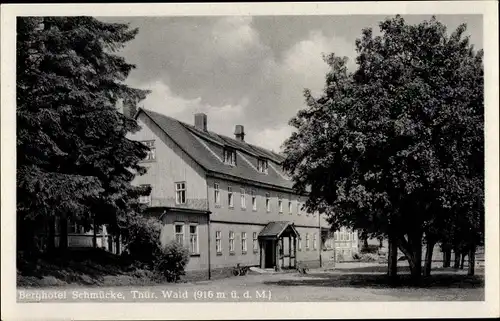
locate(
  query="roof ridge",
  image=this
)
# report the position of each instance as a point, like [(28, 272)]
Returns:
[(189, 140), (254, 147)]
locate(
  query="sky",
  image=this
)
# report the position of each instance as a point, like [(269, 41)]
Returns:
[(246, 70)]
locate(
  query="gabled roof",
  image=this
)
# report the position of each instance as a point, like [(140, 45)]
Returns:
[(196, 143), (275, 229)]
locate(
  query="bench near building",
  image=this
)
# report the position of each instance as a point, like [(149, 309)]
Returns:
[(229, 201)]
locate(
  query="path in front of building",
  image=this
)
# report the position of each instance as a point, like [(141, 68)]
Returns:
[(345, 283)]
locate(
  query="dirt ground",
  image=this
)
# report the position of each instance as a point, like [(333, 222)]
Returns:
[(343, 283)]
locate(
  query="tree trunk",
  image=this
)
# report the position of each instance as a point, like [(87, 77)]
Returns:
[(392, 260), (51, 240), (26, 238), (94, 235), (456, 264), (447, 258), (413, 251), (117, 238), (462, 261), (365, 242), (428, 257), (416, 271), (472, 260), (63, 235)]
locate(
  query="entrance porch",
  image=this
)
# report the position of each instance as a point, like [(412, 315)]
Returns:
[(278, 246)]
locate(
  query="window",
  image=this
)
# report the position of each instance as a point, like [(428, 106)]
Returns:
[(299, 208), (280, 204), (243, 242), (230, 201), (243, 198), (180, 193), (268, 202), (315, 241), (255, 242), (307, 241), (299, 247), (336, 236), (230, 156), (152, 150), (262, 166), (231, 242), (218, 242), (145, 199), (179, 233), (348, 235), (216, 194), (254, 201), (193, 239), (290, 209)]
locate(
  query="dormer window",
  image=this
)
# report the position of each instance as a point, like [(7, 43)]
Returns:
[(262, 166), (150, 144), (230, 156), (145, 199)]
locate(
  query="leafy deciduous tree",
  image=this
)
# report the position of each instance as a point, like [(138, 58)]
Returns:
[(396, 147)]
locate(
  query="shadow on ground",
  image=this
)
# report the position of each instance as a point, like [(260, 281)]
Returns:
[(383, 269), (441, 281), (91, 267)]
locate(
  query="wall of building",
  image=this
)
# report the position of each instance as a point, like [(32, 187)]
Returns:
[(308, 255), (197, 261), (222, 211), (346, 244), (83, 240), (230, 259), (239, 219), (171, 165)]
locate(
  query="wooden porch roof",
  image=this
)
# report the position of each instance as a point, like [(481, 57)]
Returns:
[(273, 230)]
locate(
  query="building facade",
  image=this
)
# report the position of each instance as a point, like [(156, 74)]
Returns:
[(229, 201)]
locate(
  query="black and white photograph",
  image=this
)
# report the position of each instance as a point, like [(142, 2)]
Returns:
[(206, 157)]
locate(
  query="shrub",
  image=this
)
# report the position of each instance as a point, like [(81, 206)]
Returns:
[(366, 257), (369, 257), (370, 249), (171, 261), (142, 239)]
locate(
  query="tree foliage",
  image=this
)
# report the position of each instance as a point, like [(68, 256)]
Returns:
[(143, 245), (396, 146), (172, 261), (73, 157), (142, 238)]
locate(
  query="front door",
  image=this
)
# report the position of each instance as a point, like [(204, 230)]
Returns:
[(270, 259)]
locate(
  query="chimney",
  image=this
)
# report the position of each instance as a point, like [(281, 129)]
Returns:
[(200, 121), (239, 133)]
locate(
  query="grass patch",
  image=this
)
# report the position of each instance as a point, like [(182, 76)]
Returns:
[(85, 267)]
